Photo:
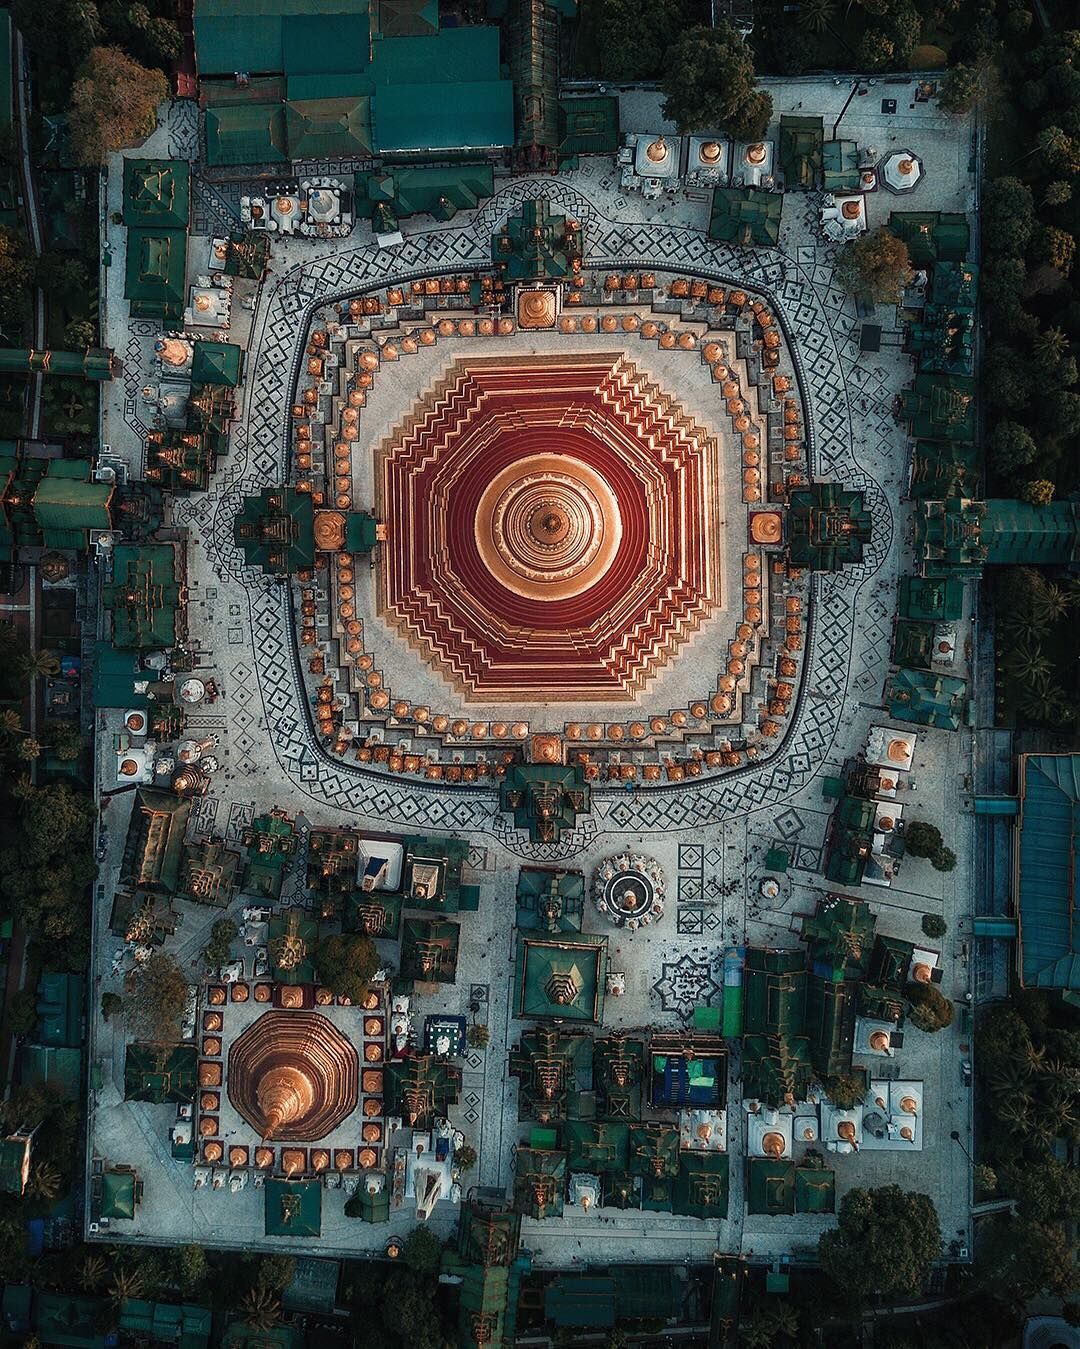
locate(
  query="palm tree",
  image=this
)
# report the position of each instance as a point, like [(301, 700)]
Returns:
[(126, 1283), (1043, 702), (1051, 346), (1029, 667), (29, 749), (10, 722), (91, 1272), (40, 664), (816, 15), (1015, 1113), (1011, 1078), (44, 1182), (261, 1308), (1049, 603)]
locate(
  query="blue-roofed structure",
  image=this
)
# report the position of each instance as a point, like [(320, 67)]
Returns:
[(1044, 880)]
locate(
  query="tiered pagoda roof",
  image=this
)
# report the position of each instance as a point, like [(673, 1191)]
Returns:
[(145, 597)]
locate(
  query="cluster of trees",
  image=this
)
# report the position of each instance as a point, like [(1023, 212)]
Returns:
[(924, 840), (1028, 1067), (406, 1309), (708, 84), (875, 267), (102, 63), (884, 1243), (346, 964), (1034, 635), (1030, 223)]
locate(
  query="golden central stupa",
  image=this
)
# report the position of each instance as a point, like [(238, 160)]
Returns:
[(293, 1076)]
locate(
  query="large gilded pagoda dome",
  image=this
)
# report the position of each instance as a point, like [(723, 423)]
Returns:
[(293, 1076)]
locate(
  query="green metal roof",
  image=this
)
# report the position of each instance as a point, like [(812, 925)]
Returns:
[(588, 126), (945, 468), (447, 57), (58, 1069), (830, 1024), (292, 1208), (582, 1300), (746, 215), (276, 530), (840, 165), (440, 191), (303, 88), (155, 272), (774, 992), (1017, 532), (143, 596), (932, 236), (1048, 833), (429, 950), (217, 363), (67, 502), (251, 133), (839, 936), (72, 1321), (596, 1146), (913, 643), (60, 1009), (561, 976), (801, 151), (325, 44), (815, 1190), (157, 193), (406, 18), (329, 128), (118, 1194), (701, 1187), (160, 1074), (770, 1186), (927, 699), (477, 115), (115, 673)]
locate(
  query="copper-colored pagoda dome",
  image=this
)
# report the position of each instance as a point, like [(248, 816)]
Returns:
[(293, 1076), (773, 1144)]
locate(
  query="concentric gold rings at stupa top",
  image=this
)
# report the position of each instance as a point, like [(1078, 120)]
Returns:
[(548, 526)]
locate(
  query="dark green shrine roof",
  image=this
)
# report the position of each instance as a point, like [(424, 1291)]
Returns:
[(292, 1208), (560, 976), (216, 363), (276, 530), (157, 193), (1045, 871), (745, 216), (160, 1073), (927, 699), (155, 273), (828, 526), (537, 246), (801, 141), (840, 164), (144, 597)]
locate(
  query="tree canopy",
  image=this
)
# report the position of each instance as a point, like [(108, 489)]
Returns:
[(346, 963), (113, 103), (708, 84), (885, 1242), (877, 267), (156, 992), (632, 38)]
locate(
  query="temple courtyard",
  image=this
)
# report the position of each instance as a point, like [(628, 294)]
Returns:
[(546, 594)]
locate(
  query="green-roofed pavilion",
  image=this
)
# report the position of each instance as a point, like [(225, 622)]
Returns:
[(154, 846), (476, 115), (432, 871), (774, 991), (801, 142), (119, 1194), (160, 1074), (932, 236), (937, 598), (216, 363), (545, 798), (157, 193), (376, 913), (246, 133), (701, 1186), (420, 1087), (942, 336), (618, 1075), (186, 1325), (588, 126), (653, 1150), (440, 191), (1018, 533), (60, 1319), (406, 18), (270, 841), (560, 976), (828, 526), (850, 840), (840, 166), (770, 1186), (68, 504), (913, 644), (144, 597), (537, 246), (292, 1208), (374, 1205), (776, 1069), (945, 468), (554, 1068), (927, 699), (1045, 872), (550, 900), (429, 950), (746, 216), (941, 407), (539, 1183), (815, 1189), (596, 1146), (830, 1024), (328, 128), (154, 278), (276, 530), (839, 936)]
